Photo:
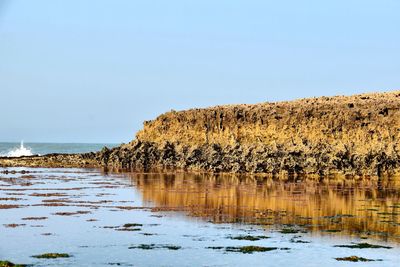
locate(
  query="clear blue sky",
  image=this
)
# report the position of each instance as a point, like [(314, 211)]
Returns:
[(93, 71)]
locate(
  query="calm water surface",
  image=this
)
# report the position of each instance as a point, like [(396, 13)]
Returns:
[(135, 219)]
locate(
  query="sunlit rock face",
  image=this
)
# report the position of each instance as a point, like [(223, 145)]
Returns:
[(357, 135)]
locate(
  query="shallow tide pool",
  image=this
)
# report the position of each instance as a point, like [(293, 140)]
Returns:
[(167, 219)]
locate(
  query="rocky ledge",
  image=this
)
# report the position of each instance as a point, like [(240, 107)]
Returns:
[(354, 135), (52, 161)]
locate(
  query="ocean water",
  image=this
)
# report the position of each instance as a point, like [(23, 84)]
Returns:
[(27, 149)]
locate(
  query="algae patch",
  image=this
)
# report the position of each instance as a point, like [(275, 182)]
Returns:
[(248, 237), (246, 249), (249, 249), (355, 259), (154, 246), (362, 246), (10, 264), (52, 256), (129, 225)]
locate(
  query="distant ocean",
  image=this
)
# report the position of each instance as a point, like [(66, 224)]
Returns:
[(26, 149)]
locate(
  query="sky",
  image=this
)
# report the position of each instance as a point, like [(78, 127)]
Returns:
[(93, 71)]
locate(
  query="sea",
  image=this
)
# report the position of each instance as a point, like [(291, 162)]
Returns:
[(29, 149)]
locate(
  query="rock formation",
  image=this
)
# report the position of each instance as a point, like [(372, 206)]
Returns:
[(355, 135)]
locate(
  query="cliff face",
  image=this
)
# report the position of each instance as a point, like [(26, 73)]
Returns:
[(344, 134)]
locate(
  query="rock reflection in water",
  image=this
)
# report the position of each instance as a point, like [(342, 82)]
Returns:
[(332, 206)]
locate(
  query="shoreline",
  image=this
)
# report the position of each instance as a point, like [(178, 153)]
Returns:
[(85, 162)]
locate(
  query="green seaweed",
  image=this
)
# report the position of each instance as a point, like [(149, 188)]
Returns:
[(144, 246), (248, 237), (249, 249), (353, 259), (171, 247), (216, 248), (129, 225), (149, 234), (10, 264), (154, 246), (299, 241), (52, 256), (128, 229), (362, 246)]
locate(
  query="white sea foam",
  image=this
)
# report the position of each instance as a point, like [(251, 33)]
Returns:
[(20, 151)]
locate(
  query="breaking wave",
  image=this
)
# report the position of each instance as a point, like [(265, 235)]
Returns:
[(20, 151)]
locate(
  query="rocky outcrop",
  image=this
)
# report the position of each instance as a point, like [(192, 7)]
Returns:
[(355, 135), (52, 161)]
